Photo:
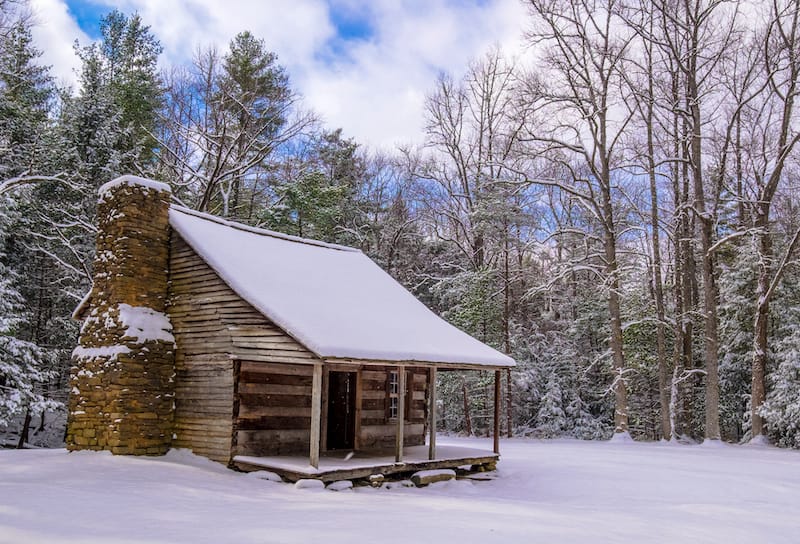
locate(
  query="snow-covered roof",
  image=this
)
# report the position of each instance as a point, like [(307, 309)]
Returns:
[(332, 299)]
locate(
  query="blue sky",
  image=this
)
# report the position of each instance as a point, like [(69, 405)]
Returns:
[(350, 23), (87, 15), (363, 65)]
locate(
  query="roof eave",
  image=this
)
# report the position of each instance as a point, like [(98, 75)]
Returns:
[(437, 364)]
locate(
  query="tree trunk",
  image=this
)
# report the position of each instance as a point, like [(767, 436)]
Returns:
[(664, 385), (620, 389), (467, 418), (506, 326), (709, 280), (759, 384), (23, 433), (615, 317), (509, 406), (681, 273)]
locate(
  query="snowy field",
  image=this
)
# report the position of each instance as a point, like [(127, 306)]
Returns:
[(546, 491)]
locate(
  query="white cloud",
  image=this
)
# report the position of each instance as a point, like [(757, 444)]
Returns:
[(377, 91), (294, 29), (374, 88), (55, 31)]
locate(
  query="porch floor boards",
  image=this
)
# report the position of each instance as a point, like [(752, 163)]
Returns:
[(335, 466)]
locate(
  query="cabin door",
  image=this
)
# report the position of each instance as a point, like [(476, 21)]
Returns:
[(341, 410)]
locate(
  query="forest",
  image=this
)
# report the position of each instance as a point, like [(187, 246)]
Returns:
[(617, 208)]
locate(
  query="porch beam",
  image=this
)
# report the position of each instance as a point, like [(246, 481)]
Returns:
[(401, 414), (497, 411), (316, 415), (432, 414)]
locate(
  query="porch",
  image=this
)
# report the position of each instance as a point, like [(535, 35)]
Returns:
[(339, 465), (345, 420)]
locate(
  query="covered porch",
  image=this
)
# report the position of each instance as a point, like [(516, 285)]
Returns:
[(372, 417)]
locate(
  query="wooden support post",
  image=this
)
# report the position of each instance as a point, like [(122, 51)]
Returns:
[(316, 413), (497, 411), (432, 414), (401, 413)]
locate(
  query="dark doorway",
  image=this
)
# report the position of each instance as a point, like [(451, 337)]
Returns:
[(341, 410)]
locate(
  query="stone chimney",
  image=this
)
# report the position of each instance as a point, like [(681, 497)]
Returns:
[(122, 379)]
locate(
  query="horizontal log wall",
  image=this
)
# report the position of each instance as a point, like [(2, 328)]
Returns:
[(377, 431), (211, 318), (204, 407), (213, 326), (274, 409)]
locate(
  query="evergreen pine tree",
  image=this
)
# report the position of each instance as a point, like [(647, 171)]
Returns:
[(551, 418)]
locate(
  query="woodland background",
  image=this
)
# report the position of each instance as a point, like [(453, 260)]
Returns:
[(618, 210)]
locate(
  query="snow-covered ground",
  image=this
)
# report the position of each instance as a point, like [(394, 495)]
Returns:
[(546, 491)]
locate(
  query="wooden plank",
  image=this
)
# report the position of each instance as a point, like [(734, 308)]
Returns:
[(388, 430), (218, 428), (266, 330), (375, 375), (316, 408), (201, 410), (323, 430), (274, 389), (253, 411), (201, 404), (214, 377), (358, 417), (273, 436), (214, 360), (364, 472), (267, 443), (401, 410), (275, 379), (374, 414), (497, 412), (254, 399), (273, 368), (336, 367), (432, 414), (263, 356), (237, 371), (272, 423), (195, 440), (372, 385), (278, 348), (210, 395), (374, 395), (374, 404)]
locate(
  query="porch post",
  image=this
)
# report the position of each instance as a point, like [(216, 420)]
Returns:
[(497, 411), (401, 413), (432, 414), (316, 412)]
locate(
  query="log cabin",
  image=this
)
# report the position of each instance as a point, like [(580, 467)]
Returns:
[(257, 349)]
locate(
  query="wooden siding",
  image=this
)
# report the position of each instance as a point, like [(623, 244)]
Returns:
[(214, 327), (209, 317), (274, 415), (376, 430), (204, 407)]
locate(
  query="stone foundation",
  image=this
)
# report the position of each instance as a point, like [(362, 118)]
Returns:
[(122, 381)]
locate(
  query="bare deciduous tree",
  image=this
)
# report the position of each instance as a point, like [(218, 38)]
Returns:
[(585, 43)]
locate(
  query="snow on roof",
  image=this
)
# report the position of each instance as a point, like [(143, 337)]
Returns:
[(132, 180), (333, 299)]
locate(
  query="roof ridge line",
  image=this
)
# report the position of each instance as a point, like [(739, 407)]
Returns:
[(260, 231)]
